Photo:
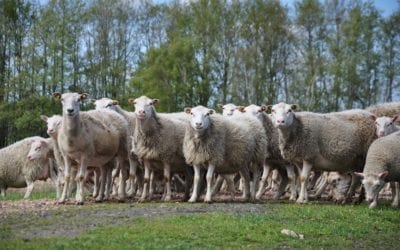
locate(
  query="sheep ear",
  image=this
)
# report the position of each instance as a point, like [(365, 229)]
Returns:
[(359, 174), (372, 117), (263, 108), (187, 110), (221, 106), (43, 143), (93, 100), (395, 118), (154, 101), (383, 175), (211, 111), (269, 109), (241, 109), (114, 102), (294, 106), (84, 96), (131, 101), (57, 95), (44, 117)]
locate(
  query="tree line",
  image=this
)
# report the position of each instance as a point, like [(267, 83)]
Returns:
[(323, 55)]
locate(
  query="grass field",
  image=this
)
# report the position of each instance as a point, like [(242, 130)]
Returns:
[(178, 225)]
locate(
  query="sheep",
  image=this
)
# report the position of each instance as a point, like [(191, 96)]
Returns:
[(330, 142), (382, 165), (221, 145), (385, 125), (273, 157), (17, 170), (92, 138), (229, 109), (131, 119), (157, 140)]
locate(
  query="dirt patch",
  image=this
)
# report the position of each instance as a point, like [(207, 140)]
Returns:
[(43, 218)]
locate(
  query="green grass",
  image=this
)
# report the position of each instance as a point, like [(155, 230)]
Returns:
[(323, 226)]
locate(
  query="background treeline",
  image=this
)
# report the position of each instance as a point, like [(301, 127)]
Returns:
[(323, 55)]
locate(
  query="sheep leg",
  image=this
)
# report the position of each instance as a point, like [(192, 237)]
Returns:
[(196, 182), (305, 172), (229, 179), (188, 182), (151, 184), (122, 179), (322, 185), (209, 179), (96, 183), (2, 190), (109, 183), (114, 174), (218, 184), (67, 179), (146, 164), (132, 176), (291, 173), (80, 180), (245, 178), (167, 181), (395, 193), (355, 182), (266, 170), (29, 188), (254, 184), (282, 185)]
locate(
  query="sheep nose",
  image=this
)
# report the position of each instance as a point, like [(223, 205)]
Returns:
[(70, 111), (280, 121), (381, 133), (142, 112), (198, 124), (50, 131), (29, 157)]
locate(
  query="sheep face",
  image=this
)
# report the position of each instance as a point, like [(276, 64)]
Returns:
[(144, 107), (373, 184), (200, 117), (229, 109), (105, 103), (70, 102), (282, 114), (53, 124), (39, 149), (385, 125)]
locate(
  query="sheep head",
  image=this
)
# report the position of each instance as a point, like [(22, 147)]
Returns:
[(144, 106), (200, 117), (282, 114)]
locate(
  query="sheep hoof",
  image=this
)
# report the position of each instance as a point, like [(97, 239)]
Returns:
[(395, 205), (301, 201), (141, 200), (98, 200), (79, 203), (208, 201)]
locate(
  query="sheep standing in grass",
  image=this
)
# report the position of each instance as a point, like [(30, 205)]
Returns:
[(91, 138), (17, 170), (157, 140), (107, 103), (382, 165), (221, 145), (329, 142), (273, 157)]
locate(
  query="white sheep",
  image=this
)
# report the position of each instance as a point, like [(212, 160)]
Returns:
[(229, 109), (382, 165), (107, 103), (273, 157), (157, 140), (91, 138), (329, 142), (17, 170), (222, 145)]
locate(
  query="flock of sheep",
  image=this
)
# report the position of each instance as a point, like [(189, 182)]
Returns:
[(125, 152)]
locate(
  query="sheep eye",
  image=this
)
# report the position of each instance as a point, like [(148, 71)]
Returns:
[(289, 111)]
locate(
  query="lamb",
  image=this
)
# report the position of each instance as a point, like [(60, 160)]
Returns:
[(107, 103), (330, 142), (82, 138), (157, 140), (382, 165), (273, 157), (222, 145), (17, 170)]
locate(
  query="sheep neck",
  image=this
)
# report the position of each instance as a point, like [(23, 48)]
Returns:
[(72, 125), (287, 134), (149, 125)]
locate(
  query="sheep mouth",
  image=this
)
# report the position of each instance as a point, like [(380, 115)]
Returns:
[(141, 117), (199, 127)]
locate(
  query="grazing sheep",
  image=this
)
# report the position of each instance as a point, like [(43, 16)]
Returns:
[(17, 170), (382, 165), (385, 125), (157, 140), (273, 157), (329, 142), (221, 145), (91, 138), (107, 103)]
